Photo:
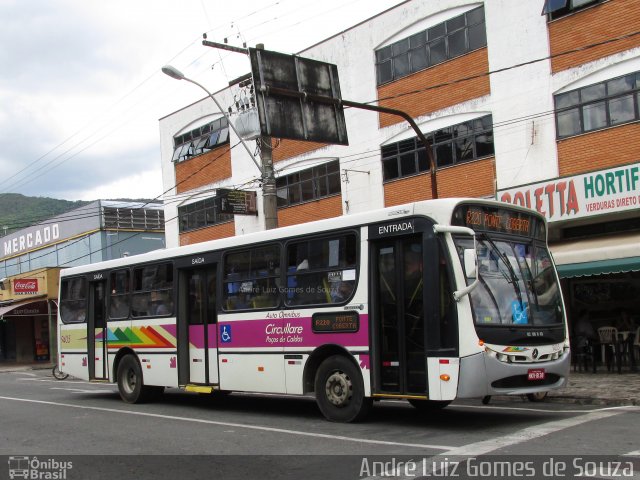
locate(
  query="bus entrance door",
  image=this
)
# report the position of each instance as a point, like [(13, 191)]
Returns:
[(201, 321), (97, 330), (398, 294)]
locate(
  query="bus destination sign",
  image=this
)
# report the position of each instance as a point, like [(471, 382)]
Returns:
[(343, 322), (501, 220)]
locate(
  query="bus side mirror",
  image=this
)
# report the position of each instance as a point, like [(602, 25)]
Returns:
[(470, 263)]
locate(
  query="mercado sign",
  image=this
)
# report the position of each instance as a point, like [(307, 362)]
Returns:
[(566, 198)]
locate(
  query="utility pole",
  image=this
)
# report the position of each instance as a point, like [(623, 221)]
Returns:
[(269, 198)]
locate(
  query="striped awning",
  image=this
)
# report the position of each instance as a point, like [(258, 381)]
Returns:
[(597, 256)]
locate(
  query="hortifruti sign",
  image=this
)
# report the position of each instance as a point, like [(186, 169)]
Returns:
[(595, 193)]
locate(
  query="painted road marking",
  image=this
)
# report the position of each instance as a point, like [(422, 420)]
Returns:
[(235, 425), (486, 446), (497, 407), (79, 382), (77, 390)]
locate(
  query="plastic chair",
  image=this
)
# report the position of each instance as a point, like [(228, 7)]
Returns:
[(608, 338), (583, 354)]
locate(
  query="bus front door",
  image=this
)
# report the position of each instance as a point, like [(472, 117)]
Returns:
[(398, 293), (97, 330), (201, 321)]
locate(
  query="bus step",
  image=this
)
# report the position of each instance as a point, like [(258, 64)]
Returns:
[(199, 388)]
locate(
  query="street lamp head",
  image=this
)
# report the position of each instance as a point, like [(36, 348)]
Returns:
[(173, 72)]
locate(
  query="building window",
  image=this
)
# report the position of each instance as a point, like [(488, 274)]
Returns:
[(451, 145), (200, 140), (444, 41), (201, 214), (560, 8), (606, 104), (310, 184)]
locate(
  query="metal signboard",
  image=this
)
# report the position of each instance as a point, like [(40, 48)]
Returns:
[(287, 91), (238, 202)]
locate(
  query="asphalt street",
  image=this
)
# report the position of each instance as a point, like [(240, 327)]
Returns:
[(265, 436)]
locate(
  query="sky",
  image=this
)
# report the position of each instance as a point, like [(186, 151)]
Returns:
[(81, 90)]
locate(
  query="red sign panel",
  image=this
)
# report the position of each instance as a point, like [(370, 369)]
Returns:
[(25, 286)]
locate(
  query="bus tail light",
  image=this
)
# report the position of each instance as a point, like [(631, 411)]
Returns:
[(444, 377)]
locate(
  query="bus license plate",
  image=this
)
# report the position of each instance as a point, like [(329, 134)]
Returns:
[(535, 374)]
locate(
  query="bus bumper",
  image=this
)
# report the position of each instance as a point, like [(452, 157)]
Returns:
[(482, 375)]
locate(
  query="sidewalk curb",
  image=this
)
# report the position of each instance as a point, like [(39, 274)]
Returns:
[(613, 402)]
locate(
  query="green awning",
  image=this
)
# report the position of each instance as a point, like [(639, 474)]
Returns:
[(599, 267)]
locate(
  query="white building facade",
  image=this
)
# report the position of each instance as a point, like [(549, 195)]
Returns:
[(532, 102)]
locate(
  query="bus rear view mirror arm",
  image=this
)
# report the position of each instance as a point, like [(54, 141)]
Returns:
[(470, 258)]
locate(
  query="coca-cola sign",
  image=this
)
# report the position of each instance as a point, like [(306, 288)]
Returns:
[(24, 286)]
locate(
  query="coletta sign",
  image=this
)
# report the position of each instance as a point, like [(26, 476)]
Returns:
[(594, 193)]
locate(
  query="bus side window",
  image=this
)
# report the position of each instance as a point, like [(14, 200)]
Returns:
[(251, 278), (119, 299), (321, 271), (152, 291), (448, 324), (73, 300)]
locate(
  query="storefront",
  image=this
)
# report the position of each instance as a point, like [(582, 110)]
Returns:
[(28, 311), (594, 235)]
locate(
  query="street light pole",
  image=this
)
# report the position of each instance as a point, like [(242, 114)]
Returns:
[(269, 200)]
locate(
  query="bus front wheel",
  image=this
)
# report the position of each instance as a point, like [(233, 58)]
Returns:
[(130, 384), (340, 391)]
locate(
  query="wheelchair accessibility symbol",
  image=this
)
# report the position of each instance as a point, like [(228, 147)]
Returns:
[(519, 312), (225, 333)]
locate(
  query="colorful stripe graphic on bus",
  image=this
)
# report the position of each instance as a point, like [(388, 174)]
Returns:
[(156, 336), (515, 349)]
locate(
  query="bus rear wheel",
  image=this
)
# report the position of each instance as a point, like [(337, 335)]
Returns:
[(130, 383), (340, 391)]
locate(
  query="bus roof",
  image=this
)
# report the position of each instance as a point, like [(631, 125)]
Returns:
[(439, 210)]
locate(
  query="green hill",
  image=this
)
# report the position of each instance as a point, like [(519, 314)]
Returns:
[(18, 211)]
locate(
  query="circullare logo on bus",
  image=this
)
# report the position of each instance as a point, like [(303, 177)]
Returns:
[(283, 334)]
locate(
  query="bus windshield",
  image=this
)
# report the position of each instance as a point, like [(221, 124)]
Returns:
[(517, 284)]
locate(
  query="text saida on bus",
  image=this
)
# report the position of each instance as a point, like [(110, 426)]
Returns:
[(429, 302)]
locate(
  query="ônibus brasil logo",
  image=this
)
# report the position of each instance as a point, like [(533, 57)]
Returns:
[(36, 469)]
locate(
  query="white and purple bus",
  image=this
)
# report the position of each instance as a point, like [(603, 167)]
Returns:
[(429, 302)]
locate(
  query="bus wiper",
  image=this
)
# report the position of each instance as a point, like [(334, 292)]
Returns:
[(512, 273)]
